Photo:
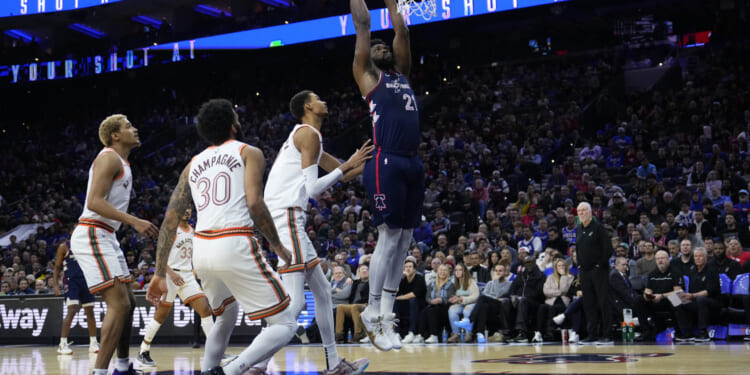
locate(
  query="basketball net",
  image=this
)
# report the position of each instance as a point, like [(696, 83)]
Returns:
[(425, 8)]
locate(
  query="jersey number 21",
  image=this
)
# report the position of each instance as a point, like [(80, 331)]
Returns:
[(411, 102)]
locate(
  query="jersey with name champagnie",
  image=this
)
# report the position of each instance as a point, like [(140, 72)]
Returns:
[(216, 177), (395, 115)]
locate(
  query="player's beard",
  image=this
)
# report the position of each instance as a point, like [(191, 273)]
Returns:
[(384, 64)]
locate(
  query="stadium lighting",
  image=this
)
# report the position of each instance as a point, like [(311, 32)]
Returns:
[(146, 20), (87, 30), (210, 11), (18, 34)]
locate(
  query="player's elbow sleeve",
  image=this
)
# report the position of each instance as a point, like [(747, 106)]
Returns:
[(315, 185)]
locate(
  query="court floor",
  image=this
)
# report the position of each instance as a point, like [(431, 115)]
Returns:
[(708, 358)]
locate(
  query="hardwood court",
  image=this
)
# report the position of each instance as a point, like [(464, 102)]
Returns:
[(710, 358)]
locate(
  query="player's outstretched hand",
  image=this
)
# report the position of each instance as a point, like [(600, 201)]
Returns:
[(360, 156), (147, 229), (157, 290)]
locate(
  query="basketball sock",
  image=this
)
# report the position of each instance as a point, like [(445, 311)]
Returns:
[(380, 264), (321, 291), (394, 269), (218, 338), (92, 340), (63, 340), (332, 355), (207, 323), (269, 341), (100, 371), (122, 364), (388, 299), (294, 284), (151, 329)]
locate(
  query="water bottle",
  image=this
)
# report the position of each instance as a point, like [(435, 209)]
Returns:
[(445, 335), (625, 334), (349, 337), (627, 315), (631, 332)]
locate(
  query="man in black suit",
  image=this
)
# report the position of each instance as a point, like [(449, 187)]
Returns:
[(622, 291), (478, 272)]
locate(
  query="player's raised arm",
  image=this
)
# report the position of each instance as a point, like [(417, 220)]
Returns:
[(401, 44), (363, 69), (254, 167)]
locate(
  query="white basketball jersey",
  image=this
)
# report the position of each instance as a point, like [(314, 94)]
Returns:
[(216, 178), (181, 254), (285, 187), (118, 195)]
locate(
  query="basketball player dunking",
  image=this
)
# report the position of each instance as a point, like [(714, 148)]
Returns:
[(96, 247), (225, 184), (394, 177)]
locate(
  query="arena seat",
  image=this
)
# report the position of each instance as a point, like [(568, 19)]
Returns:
[(726, 283), (740, 285)]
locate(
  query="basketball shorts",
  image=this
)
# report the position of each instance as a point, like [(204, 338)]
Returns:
[(395, 187), (78, 292), (290, 225), (188, 292), (98, 252), (229, 264)]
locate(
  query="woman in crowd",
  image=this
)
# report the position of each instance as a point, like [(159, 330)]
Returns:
[(435, 315), (462, 303), (556, 300)]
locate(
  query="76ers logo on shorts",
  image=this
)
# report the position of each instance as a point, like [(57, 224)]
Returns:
[(530, 359), (379, 201)]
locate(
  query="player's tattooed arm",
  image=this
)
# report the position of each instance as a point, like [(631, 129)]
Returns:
[(179, 202)]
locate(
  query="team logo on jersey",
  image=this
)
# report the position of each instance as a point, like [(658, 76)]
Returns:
[(379, 201), (125, 185), (532, 359)]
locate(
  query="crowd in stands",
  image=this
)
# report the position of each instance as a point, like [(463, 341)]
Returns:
[(507, 161)]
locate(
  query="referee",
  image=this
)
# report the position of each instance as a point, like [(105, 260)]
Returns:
[(594, 249)]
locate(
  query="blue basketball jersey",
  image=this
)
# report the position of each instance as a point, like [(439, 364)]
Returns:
[(71, 267), (569, 235), (395, 115)]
